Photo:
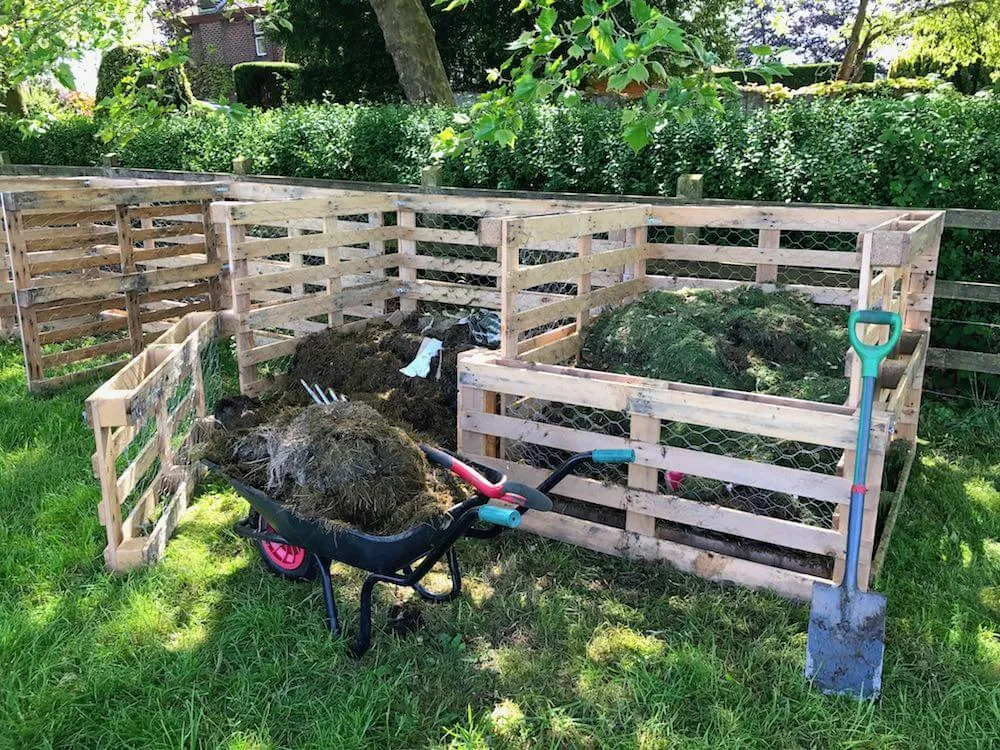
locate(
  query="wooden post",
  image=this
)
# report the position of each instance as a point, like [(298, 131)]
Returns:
[(30, 342), (110, 161), (920, 280), (767, 273), (509, 266), (646, 429), (635, 238), (689, 187), (215, 294), (4, 159), (408, 250), (377, 248), (235, 234), (430, 176), (334, 285), (584, 247), (241, 165), (109, 511), (126, 251)]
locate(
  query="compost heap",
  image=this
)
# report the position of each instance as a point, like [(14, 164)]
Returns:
[(365, 366), (342, 464), (744, 339)]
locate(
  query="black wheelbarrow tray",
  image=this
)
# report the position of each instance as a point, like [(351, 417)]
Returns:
[(298, 548)]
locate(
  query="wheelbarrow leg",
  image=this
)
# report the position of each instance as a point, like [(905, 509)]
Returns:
[(456, 582), (331, 605), (364, 640)]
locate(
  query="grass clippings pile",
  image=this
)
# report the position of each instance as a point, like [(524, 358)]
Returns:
[(343, 464), (744, 339), (365, 366)]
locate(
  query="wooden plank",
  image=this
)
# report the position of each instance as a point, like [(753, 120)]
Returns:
[(186, 211), (67, 218), (174, 229), (645, 429), (256, 248), (970, 291), (70, 238), (101, 197), (62, 381), (523, 231), (956, 359), (318, 304), (819, 294), (700, 515), (407, 249), (441, 236), (524, 321), (316, 274), (75, 355), (567, 270), (769, 242), (453, 265), (798, 217), (710, 565), (308, 208), (140, 282), (828, 488), (769, 254)]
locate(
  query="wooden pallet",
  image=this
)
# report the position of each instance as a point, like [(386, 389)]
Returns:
[(99, 271)]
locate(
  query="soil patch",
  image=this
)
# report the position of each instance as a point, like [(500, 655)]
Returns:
[(365, 366), (343, 464), (745, 339)]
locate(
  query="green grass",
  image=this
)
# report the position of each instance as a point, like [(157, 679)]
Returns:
[(549, 646)]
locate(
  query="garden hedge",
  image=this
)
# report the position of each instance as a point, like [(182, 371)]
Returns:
[(799, 75), (118, 61)]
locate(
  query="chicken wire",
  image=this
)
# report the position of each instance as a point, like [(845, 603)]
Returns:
[(148, 433), (676, 480), (845, 242)]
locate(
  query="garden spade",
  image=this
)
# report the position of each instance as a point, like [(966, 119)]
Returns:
[(846, 638)]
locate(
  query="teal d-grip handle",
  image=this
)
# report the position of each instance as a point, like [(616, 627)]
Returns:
[(498, 516), (872, 354), (613, 456)]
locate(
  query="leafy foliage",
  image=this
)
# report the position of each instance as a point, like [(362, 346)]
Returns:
[(211, 81), (556, 59), (122, 62)]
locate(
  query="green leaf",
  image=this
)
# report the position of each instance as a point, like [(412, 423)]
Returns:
[(640, 10), (576, 51), (505, 137), (658, 70), (64, 75), (618, 82), (638, 72), (581, 24), (547, 19), (636, 135), (525, 89)]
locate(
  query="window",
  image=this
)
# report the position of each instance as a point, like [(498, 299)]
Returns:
[(258, 38)]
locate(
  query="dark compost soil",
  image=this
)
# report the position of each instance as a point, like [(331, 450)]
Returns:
[(342, 464), (365, 366)]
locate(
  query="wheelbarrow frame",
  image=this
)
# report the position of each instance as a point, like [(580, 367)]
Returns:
[(427, 543)]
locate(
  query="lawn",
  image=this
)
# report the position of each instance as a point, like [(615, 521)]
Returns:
[(549, 646)]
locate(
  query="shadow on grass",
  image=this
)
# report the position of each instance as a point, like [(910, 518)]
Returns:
[(548, 646)]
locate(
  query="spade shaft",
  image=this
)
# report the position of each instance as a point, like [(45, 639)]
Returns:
[(846, 639)]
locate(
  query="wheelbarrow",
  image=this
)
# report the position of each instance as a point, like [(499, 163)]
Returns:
[(301, 548)]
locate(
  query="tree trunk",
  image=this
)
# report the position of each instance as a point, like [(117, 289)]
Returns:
[(409, 38), (850, 62)]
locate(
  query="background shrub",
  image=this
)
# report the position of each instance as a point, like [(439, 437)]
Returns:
[(118, 61), (211, 81), (263, 84), (798, 75)]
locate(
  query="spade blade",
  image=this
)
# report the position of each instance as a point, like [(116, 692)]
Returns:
[(846, 641)]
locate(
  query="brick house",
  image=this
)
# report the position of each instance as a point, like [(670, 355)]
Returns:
[(228, 38)]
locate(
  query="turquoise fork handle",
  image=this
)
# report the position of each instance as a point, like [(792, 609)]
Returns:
[(872, 354)]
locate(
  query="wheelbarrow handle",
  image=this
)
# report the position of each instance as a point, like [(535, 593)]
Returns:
[(871, 355), (492, 490)]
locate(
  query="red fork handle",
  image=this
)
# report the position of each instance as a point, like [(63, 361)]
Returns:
[(492, 490)]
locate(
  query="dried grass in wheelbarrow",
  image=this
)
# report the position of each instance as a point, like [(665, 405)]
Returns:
[(342, 464)]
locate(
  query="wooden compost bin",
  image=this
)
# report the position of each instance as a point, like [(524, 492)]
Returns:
[(525, 407), (99, 268), (303, 260)]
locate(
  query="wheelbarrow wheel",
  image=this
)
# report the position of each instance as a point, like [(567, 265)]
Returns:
[(284, 560)]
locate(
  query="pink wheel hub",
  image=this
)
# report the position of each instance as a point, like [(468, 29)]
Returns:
[(285, 556)]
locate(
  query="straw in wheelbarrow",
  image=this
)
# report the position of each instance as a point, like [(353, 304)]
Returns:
[(846, 639)]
